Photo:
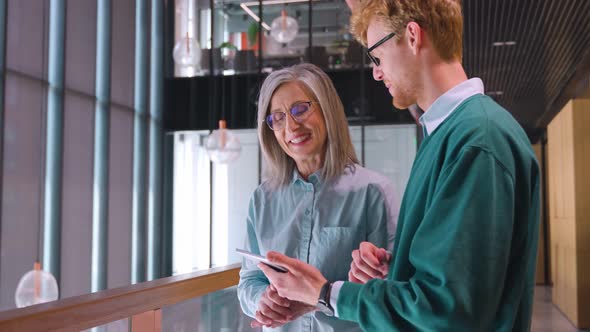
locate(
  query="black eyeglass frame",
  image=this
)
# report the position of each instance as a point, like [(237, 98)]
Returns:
[(375, 60)]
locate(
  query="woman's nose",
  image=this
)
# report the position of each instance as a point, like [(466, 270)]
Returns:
[(290, 123)]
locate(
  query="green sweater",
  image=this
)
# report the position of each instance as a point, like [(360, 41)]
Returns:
[(466, 242)]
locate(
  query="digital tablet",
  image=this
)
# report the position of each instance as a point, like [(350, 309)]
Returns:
[(261, 259)]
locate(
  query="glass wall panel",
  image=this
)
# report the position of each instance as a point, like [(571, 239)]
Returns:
[(388, 149), (76, 222), (391, 150), (122, 325), (235, 38), (233, 30), (356, 133), (22, 173), (219, 311), (330, 36), (287, 40), (233, 184), (191, 203), (197, 43)]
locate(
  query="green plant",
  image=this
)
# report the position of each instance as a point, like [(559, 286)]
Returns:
[(228, 45), (252, 33)]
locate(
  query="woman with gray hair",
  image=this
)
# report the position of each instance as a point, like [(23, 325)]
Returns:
[(317, 203)]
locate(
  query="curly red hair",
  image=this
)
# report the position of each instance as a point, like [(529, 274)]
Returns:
[(441, 19)]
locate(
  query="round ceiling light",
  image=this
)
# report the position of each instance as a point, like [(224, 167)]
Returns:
[(284, 28)]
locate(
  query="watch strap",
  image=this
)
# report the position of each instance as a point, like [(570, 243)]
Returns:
[(324, 299)]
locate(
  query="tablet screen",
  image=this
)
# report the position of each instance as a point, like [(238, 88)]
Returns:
[(261, 259)]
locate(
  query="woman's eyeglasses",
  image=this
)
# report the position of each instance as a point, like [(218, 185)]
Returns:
[(299, 112), (376, 60)]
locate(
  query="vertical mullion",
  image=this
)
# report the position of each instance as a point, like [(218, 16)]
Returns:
[(54, 142), (168, 152), (3, 23), (167, 204), (309, 27), (139, 143), (101, 147), (212, 108), (156, 136)]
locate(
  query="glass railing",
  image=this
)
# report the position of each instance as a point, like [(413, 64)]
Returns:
[(200, 301), (217, 311)]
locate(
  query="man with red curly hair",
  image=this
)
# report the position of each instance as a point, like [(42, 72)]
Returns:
[(466, 242)]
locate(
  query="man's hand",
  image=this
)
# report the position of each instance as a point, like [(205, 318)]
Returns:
[(274, 310), (302, 283), (368, 262)]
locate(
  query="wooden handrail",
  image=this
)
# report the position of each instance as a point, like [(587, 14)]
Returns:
[(95, 309)]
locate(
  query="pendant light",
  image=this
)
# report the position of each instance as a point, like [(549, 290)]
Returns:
[(284, 28), (36, 286), (222, 146), (187, 51)]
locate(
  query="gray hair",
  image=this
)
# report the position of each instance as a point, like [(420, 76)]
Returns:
[(339, 149)]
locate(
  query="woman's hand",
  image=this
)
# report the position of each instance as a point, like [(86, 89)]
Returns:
[(274, 310)]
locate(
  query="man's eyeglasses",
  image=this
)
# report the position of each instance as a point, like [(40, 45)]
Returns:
[(375, 60), (299, 112)]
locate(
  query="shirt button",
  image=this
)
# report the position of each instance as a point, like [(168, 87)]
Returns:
[(307, 212)]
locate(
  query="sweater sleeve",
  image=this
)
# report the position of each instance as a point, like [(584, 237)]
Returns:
[(459, 254)]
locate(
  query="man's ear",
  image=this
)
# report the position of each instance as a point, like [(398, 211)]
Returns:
[(414, 37)]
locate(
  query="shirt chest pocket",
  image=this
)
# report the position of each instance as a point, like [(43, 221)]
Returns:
[(335, 246)]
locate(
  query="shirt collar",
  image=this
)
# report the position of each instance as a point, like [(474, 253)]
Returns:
[(444, 105), (315, 178)]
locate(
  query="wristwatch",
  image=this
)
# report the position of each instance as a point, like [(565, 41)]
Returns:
[(324, 300)]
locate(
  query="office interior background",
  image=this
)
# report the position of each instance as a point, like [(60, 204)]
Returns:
[(106, 107)]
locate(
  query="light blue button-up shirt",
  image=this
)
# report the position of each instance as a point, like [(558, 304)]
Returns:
[(321, 223), (436, 114)]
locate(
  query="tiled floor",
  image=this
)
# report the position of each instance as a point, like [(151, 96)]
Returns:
[(546, 316)]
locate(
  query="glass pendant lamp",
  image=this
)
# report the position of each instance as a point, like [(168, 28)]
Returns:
[(222, 146), (284, 28), (187, 50), (36, 286)]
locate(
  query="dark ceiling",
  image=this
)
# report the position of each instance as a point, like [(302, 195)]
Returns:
[(548, 64)]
